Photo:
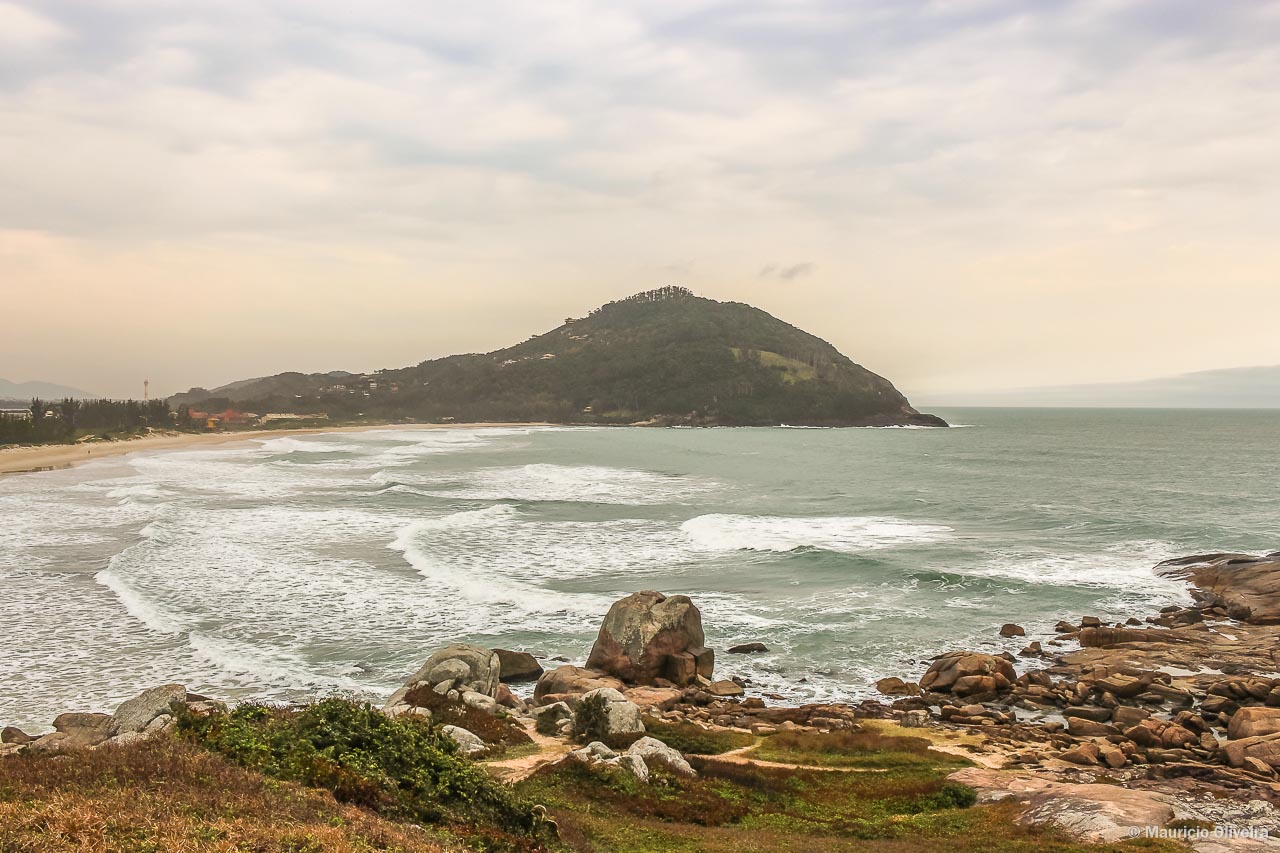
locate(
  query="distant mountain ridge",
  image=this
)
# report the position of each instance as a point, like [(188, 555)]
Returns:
[(45, 390), (1227, 388), (661, 357)]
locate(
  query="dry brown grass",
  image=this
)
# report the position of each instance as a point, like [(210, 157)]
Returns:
[(174, 797)]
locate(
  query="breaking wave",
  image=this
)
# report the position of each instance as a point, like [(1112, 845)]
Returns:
[(848, 534)]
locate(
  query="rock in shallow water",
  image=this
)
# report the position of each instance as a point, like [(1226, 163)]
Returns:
[(647, 636), (968, 673), (135, 714)]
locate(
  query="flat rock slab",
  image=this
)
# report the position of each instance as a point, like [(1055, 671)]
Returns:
[(1247, 587), (1090, 812)]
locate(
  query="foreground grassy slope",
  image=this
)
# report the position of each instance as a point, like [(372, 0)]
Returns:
[(166, 795), (340, 776)]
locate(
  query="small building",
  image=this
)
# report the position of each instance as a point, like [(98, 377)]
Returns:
[(548, 355), (15, 414), (290, 416)]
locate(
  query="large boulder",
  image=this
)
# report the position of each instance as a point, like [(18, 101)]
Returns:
[(459, 667), (1265, 748), (567, 683), (648, 635), (1254, 722), (83, 729), (15, 735), (134, 715), (517, 666), (968, 673), (468, 743), (653, 751), (1247, 587), (622, 716)]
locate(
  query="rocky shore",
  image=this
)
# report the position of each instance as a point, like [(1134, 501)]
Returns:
[(1172, 722)]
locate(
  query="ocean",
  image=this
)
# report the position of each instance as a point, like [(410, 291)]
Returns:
[(288, 567)]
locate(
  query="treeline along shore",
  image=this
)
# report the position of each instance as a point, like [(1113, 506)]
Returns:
[(1155, 735)]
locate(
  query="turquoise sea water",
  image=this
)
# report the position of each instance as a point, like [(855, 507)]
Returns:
[(287, 567)]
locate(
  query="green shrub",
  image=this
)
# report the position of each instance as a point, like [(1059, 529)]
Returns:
[(401, 766), (547, 725), (951, 795), (591, 719)]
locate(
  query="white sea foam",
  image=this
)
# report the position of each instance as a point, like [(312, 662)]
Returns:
[(577, 483), (1125, 566), (138, 606), (267, 667), (848, 534), (288, 444), (488, 556)]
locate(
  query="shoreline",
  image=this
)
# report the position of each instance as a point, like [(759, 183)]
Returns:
[(50, 457)]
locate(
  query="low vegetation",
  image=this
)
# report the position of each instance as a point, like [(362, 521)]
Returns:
[(733, 807), (341, 776), (169, 795), (692, 739), (402, 767), (868, 749)]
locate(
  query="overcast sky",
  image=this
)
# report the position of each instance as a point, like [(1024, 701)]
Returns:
[(961, 194)]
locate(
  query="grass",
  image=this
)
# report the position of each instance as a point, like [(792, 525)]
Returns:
[(402, 767), (692, 739), (789, 369), (169, 795), (733, 807), (862, 749), (340, 776)]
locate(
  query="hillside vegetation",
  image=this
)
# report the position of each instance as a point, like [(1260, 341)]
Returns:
[(664, 356)]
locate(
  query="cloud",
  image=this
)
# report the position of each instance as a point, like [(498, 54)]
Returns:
[(565, 151), (24, 29), (788, 272)]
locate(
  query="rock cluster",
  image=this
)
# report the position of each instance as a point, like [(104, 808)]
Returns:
[(147, 714), (643, 755), (969, 674)]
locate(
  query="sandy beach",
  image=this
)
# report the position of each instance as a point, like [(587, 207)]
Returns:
[(45, 457)]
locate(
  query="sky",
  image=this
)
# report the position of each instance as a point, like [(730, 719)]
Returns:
[(959, 194)]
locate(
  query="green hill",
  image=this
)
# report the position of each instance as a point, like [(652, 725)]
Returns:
[(663, 357)]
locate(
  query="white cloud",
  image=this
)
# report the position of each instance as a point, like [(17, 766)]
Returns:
[(23, 29)]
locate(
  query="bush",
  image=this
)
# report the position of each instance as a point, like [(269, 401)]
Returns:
[(591, 719), (547, 725), (952, 795), (402, 766)]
